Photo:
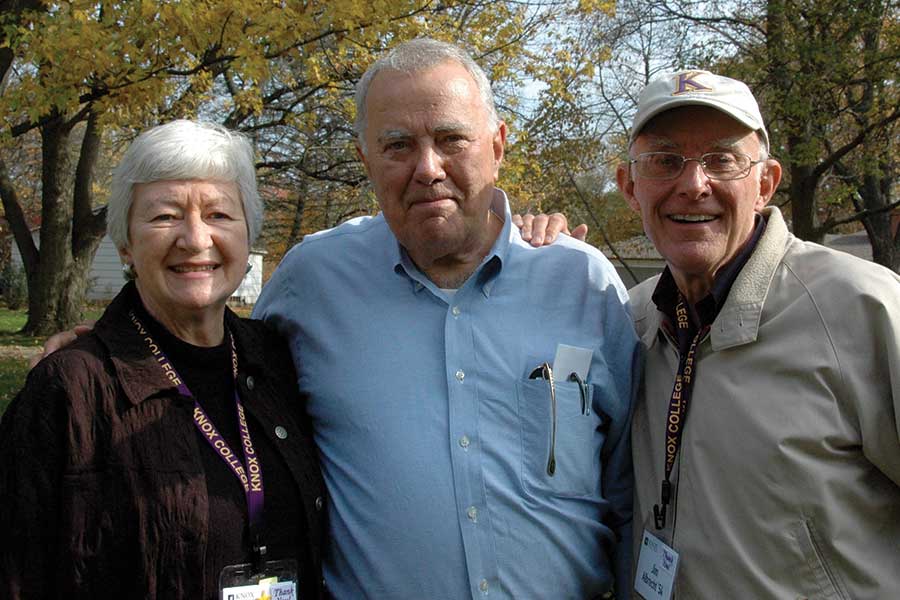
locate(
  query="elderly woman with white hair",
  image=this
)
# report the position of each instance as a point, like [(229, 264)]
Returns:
[(166, 453)]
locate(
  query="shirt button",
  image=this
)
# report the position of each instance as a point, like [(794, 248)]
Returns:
[(460, 375), (280, 432), (455, 310), (250, 382), (319, 502), (483, 586), (472, 513), (464, 441)]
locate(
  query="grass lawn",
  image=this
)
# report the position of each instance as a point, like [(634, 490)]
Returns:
[(14, 368), (12, 377)]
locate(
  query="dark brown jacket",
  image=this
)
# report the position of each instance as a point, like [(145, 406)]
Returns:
[(102, 487)]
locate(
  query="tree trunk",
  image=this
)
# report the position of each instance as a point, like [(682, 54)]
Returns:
[(875, 190), (803, 203), (58, 275), (14, 215), (885, 244), (296, 234), (46, 277)]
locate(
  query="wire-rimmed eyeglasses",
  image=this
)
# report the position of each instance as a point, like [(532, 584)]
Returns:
[(717, 165)]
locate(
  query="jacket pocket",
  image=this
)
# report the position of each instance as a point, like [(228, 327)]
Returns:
[(823, 581), (567, 462)]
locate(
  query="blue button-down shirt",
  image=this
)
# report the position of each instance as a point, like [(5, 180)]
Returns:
[(434, 441)]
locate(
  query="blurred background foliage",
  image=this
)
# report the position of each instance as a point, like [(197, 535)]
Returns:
[(81, 78)]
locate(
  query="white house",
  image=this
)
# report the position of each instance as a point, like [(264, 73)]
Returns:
[(106, 277)]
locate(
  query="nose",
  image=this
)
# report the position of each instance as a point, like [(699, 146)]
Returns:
[(429, 166), (194, 235), (693, 181)]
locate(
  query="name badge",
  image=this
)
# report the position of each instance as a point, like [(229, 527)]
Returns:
[(277, 581), (656, 568)]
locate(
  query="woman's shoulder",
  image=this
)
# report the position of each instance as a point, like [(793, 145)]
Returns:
[(258, 339), (86, 356), (251, 330), (66, 382)]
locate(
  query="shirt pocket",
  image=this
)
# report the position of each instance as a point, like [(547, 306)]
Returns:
[(577, 443)]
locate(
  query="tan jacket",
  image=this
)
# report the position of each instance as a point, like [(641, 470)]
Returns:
[(788, 478)]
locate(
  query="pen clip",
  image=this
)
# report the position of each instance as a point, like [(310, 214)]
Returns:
[(542, 371), (582, 387)]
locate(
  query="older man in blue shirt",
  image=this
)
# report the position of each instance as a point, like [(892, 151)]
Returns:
[(458, 463)]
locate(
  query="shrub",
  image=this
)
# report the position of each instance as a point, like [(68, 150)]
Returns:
[(14, 286)]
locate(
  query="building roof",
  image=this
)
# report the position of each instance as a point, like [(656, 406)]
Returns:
[(638, 247), (641, 248), (856, 244)]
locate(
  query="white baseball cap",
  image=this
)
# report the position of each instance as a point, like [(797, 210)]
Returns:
[(698, 88)]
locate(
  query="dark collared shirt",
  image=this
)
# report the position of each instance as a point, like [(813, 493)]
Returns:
[(666, 295)]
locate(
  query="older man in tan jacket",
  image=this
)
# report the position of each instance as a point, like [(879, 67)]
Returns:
[(767, 439)]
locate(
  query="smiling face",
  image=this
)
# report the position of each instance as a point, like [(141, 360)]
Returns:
[(696, 223), (433, 158), (189, 246)]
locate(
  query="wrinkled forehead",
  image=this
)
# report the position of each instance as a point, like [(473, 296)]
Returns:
[(696, 128)]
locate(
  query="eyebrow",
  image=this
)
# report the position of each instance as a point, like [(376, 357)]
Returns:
[(729, 143), (393, 134), (453, 127), (660, 142), (402, 134)]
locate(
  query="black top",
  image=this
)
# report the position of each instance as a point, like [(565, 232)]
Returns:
[(106, 486), (207, 372)]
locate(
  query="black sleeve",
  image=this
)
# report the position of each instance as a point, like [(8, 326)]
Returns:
[(32, 460)]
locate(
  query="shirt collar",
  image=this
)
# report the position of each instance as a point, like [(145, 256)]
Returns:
[(490, 265), (137, 370), (665, 296)]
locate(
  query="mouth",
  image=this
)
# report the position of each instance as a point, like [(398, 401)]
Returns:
[(193, 268), (433, 195), (431, 200), (692, 218)]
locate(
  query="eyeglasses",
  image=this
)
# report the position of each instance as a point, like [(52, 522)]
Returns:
[(723, 166)]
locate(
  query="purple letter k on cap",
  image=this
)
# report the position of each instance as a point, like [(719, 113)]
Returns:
[(685, 83)]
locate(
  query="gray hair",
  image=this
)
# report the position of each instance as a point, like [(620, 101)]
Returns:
[(184, 149), (414, 56), (763, 146)]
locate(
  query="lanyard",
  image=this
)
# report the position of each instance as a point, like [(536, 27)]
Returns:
[(678, 403), (249, 473)]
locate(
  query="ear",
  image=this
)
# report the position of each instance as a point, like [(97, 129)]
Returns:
[(626, 185), (125, 255), (499, 143), (768, 183)]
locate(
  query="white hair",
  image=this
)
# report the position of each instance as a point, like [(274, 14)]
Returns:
[(184, 149), (415, 56)]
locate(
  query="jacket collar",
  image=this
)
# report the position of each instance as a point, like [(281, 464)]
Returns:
[(137, 371), (738, 321)]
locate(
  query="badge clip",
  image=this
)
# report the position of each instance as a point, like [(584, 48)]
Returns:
[(659, 516), (259, 558), (659, 510)]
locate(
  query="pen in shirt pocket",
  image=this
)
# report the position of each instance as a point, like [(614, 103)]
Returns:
[(545, 371)]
